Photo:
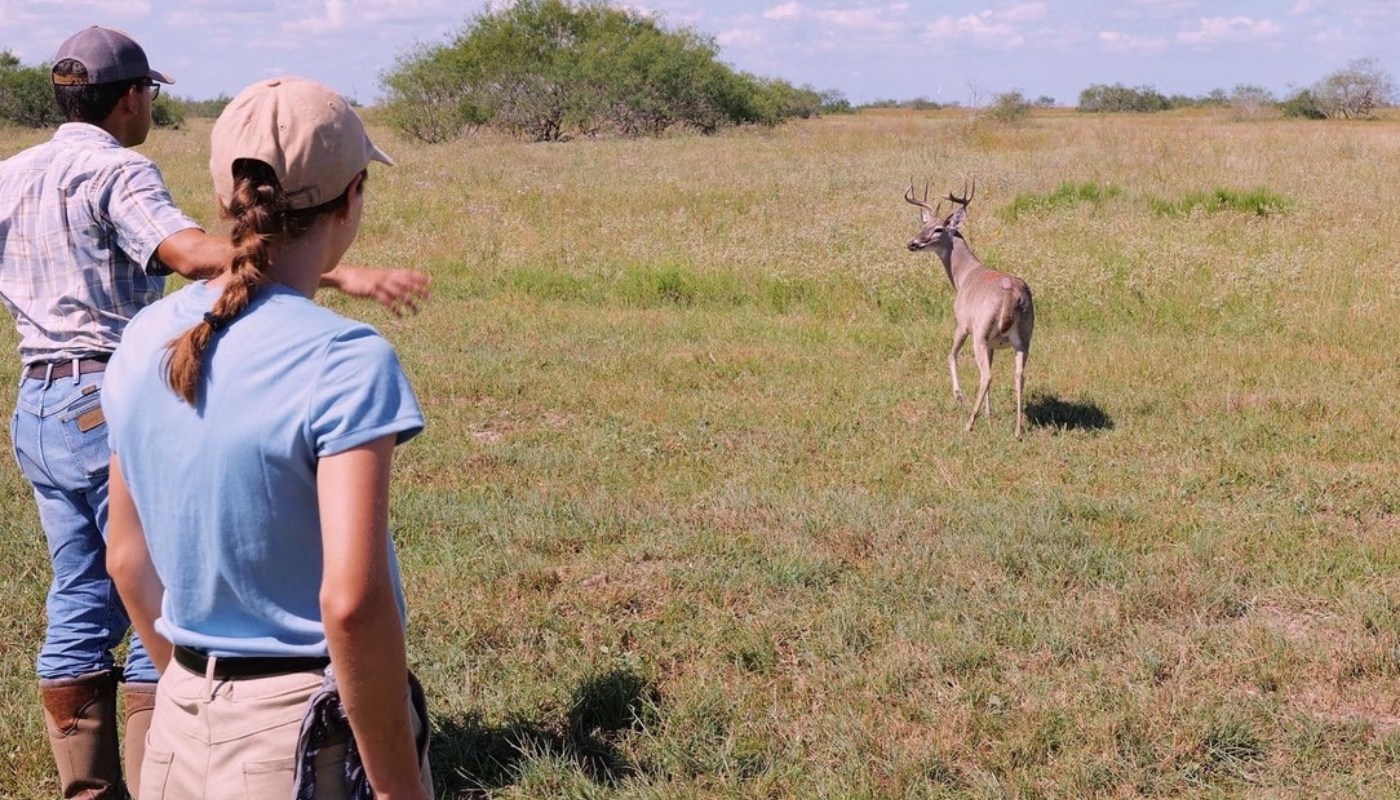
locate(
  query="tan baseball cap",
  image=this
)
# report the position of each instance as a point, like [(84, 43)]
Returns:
[(304, 130)]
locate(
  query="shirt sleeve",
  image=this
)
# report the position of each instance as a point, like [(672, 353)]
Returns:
[(362, 395), (143, 214)]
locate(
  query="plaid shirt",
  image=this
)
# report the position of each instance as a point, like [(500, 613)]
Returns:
[(80, 220)]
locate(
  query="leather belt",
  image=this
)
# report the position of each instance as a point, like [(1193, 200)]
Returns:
[(54, 370), (237, 669)]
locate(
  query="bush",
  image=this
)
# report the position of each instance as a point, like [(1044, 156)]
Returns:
[(166, 113), (547, 70), (1250, 100), (26, 94), (1009, 107), (210, 109), (1119, 98), (1302, 104)]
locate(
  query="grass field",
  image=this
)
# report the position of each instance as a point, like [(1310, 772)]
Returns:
[(695, 516)]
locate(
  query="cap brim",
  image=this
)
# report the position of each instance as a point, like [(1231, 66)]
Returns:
[(160, 77), (375, 154)]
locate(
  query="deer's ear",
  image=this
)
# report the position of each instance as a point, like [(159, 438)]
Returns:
[(955, 219)]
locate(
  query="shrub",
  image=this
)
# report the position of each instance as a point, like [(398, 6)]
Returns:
[(26, 94), (546, 70), (1302, 104), (1009, 107), (1118, 98), (199, 108), (167, 113), (1250, 100)]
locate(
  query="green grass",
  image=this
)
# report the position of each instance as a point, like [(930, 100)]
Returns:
[(1066, 195), (694, 515)]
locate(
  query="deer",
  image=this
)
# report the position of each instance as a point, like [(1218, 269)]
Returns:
[(993, 308)]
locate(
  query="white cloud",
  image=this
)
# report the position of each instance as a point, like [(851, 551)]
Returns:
[(998, 27), (866, 19), (978, 26), (1302, 7), (1024, 12), (1219, 30), (1165, 5), (332, 20), (741, 37), (784, 11), (1119, 42)]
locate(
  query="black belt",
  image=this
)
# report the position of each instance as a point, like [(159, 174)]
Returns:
[(54, 370), (234, 669)]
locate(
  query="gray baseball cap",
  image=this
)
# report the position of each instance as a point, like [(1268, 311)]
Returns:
[(108, 55)]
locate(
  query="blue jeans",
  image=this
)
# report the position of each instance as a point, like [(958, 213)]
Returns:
[(60, 442)]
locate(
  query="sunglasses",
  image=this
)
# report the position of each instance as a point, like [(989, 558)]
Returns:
[(153, 86)]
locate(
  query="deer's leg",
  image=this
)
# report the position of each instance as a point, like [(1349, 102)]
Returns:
[(983, 352), (1020, 390), (987, 396), (959, 336)]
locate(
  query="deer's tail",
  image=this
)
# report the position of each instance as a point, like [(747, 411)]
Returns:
[(1018, 305)]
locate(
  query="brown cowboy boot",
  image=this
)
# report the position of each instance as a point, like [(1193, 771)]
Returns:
[(140, 700), (81, 717)]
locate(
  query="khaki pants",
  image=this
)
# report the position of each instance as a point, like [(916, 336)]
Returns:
[(235, 739)]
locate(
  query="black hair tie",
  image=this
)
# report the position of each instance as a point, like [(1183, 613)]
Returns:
[(216, 322)]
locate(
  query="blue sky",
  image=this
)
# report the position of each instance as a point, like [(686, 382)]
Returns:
[(949, 50)]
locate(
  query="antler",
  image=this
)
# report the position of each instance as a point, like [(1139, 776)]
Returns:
[(909, 197), (967, 198)]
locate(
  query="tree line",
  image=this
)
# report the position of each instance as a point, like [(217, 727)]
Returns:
[(1356, 91), (548, 70)]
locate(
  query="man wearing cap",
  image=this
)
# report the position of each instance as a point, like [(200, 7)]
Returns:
[(88, 232)]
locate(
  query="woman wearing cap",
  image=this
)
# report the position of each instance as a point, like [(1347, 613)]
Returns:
[(252, 432)]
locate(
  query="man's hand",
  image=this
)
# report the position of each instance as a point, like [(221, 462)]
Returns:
[(397, 290)]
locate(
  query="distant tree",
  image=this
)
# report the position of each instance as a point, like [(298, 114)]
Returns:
[(835, 102), (922, 104), (211, 108), (976, 96), (1302, 104), (1101, 98), (1250, 100), (166, 112), (1045, 101), (1356, 91), (26, 94), (546, 70), (1009, 107)]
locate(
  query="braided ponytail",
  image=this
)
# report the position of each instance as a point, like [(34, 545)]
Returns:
[(261, 218)]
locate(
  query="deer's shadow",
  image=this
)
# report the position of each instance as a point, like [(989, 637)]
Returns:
[(472, 758), (1050, 411)]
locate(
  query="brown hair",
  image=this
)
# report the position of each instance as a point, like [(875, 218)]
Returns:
[(261, 218), (87, 102)]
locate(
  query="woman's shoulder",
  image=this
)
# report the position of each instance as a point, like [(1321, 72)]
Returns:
[(296, 319)]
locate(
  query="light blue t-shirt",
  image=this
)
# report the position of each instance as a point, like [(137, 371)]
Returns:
[(226, 490)]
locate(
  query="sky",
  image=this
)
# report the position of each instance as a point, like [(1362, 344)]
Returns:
[(949, 51)]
